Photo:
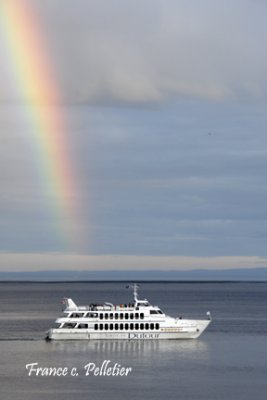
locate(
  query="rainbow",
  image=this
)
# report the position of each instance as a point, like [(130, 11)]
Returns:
[(33, 74)]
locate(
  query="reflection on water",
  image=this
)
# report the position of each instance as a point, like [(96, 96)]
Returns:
[(133, 348)]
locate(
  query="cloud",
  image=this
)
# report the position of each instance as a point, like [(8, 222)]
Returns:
[(16, 262), (153, 182), (149, 51), (180, 171)]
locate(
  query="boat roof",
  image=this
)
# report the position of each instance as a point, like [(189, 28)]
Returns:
[(135, 305)]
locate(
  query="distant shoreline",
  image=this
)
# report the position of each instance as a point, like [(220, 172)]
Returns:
[(201, 275), (136, 281)]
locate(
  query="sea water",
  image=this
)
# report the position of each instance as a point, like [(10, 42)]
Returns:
[(229, 361)]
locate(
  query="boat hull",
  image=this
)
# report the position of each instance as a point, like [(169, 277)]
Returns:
[(191, 331)]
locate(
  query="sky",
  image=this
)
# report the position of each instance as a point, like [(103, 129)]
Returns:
[(160, 122)]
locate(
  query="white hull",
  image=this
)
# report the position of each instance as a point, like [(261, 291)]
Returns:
[(193, 331)]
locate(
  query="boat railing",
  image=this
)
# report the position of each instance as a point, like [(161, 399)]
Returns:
[(85, 308), (108, 307)]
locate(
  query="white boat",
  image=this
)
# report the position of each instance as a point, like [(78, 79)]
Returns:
[(139, 320)]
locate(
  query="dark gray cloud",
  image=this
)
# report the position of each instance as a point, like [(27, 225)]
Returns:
[(184, 179), (168, 185)]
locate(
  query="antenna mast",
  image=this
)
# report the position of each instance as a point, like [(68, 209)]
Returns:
[(135, 293)]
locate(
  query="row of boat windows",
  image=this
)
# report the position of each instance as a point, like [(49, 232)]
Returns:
[(131, 326), (108, 315), (116, 327)]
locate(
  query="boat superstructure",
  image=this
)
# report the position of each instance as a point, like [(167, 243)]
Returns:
[(137, 320)]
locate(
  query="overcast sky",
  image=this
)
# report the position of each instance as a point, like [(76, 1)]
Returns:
[(164, 103)]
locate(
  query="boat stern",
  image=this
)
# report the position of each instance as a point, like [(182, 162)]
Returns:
[(48, 336)]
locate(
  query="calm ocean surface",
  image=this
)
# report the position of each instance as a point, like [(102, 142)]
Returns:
[(229, 361)]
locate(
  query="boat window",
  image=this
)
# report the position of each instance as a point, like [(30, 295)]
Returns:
[(69, 325), (126, 326), (101, 327), (111, 316), (152, 326), (153, 312), (137, 326), (92, 315), (76, 315), (147, 326), (96, 327), (121, 315), (121, 326), (126, 316), (136, 315), (111, 327), (131, 316), (132, 326), (142, 315), (106, 327), (116, 316), (116, 327), (144, 304), (106, 316), (101, 315), (160, 312), (142, 326), (83, 326), (157, 326)]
